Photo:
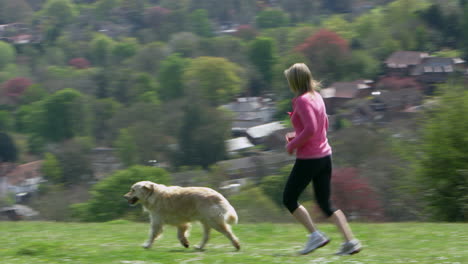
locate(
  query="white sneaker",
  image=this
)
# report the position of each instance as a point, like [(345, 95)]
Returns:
[(316, 240), (350, 247)]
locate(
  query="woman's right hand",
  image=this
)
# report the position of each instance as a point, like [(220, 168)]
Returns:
[(290, 136)]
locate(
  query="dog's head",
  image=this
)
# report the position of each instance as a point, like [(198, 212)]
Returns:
[(139, 191)]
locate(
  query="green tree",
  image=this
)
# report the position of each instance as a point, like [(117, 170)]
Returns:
[(149, 57), (75, 160), (6, 121), (65, 115), (8, 150), (13, 11), (124, 49), (126, 148), (442, 167), (170, 77), (51, 169), (100, 50), (200, 23), (186, 44), (262, 55), (106, 196), (57, 15), (202, 136), (464, 33), (7, 54), (271, 18), (104, 110), (215, 79)]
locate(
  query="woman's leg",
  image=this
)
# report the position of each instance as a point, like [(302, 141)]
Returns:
[(297, 182), (322, 189), (340, 221)]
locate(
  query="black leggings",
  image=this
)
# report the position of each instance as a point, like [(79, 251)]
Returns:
[(304, 171)]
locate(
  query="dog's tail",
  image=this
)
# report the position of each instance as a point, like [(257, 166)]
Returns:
[(231, 216)]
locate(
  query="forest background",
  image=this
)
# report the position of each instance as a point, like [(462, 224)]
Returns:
[(147, 78)]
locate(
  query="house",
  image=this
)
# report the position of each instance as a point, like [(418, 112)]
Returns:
[(258, 134), (249, 112), (258, 166), (400, 63), (18, 212), (235, 145), (338, 93), (18, 33), (5, 168), (436, 70), (24, 179)]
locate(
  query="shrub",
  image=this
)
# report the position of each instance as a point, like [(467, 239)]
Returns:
[(107, 202), (354, 195), (252, 205)]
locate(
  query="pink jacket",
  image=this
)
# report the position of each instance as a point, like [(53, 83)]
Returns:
[(310, 122)]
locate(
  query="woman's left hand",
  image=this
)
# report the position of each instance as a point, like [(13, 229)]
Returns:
[(289, 150)]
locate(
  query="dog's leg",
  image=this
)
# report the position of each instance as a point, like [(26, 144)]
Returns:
[(155, 231), (182, 232), (206, 236), (225, 229)]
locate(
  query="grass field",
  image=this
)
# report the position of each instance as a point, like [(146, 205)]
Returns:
[(119, 242)]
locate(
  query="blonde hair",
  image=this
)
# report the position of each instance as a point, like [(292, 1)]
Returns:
[(300, 79)]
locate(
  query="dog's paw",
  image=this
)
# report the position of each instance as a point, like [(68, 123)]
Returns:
[(185, 244), (146, 245), (199, 248)]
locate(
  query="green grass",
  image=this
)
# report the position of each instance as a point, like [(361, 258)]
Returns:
[(119, 242)]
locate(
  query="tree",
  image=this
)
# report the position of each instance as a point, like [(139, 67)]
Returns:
[(8, 150), (202, 136), (463, 34), (106, 196), (271, 18), (326, 51), (126, 148), (14, 88), (215, 79), (301, 10), (170, 77), (7, 54), (74, 157), (149, 57), (100, 50), (355, 196), (14, 11), (124, 50), (200, 23), (51, 169), (65, 115), (246, 32), (442, 166), (6, 121), (57, 15), (104, 110), (261, 54), (185, 43)]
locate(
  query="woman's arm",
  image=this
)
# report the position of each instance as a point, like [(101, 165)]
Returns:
[(309, 121)]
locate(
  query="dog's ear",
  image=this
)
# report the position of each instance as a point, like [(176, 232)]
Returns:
[(148, 187)]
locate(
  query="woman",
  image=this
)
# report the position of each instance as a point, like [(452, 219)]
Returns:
[(313, 161)]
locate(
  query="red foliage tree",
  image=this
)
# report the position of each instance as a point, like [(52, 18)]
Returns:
[(355, 196), (326, 50), (15, 87), (79, 63), (246, 32), (155, 16)]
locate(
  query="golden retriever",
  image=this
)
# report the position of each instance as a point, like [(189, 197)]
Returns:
[(179, 206)]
